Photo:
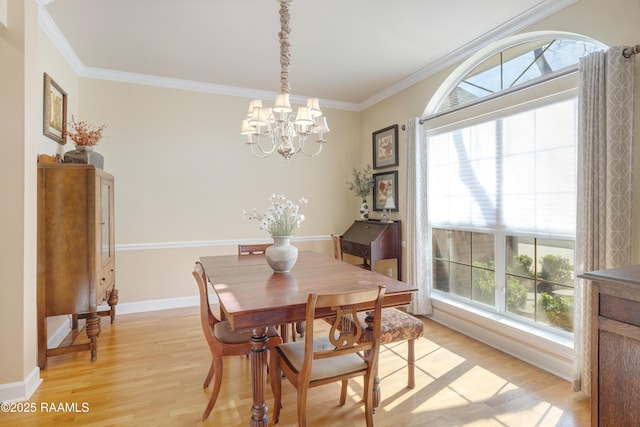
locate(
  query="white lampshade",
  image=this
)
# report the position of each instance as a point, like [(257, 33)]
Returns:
[(321, 126), (259, 117), (245, 129), (390, 204), (313, 104), (282, 104), (255, 103), (304, 117)]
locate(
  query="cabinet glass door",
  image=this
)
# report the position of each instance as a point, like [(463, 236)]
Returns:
[(105, 208)]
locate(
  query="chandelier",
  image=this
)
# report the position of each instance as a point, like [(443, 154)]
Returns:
[(277, 128)]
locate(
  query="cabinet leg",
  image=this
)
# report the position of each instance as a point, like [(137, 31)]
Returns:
[(113, 300), (93, 331)]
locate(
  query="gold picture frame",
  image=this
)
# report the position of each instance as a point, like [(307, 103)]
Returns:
[(55, 111)]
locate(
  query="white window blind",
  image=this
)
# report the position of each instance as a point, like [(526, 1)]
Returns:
[(514, 171)]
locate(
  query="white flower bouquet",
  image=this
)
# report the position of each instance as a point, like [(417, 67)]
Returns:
[(281, 217)]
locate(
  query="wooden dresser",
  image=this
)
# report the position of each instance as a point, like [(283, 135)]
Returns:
[(615, 347), (76, 255), (373, 240)]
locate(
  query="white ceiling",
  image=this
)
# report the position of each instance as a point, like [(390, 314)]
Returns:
[(347, 52)]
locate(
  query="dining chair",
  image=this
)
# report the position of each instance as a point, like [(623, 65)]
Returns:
[(338, 355), (252, 249), (222, 340), (396, 325), (337, 246), (259, 249)]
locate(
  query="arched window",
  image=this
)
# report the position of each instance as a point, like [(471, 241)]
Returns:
[(502, 146), (512, 63)]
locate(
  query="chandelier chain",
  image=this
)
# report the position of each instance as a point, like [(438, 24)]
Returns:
[(285, 54)]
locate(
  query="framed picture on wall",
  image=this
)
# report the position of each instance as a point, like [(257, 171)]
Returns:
[(385, 147), (55, 111), (385, 187)]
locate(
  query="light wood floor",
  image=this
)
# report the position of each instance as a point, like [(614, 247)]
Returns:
[(151, 366)]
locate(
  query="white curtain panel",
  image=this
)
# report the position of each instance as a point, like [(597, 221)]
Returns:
[(605, 142), (418, 238)]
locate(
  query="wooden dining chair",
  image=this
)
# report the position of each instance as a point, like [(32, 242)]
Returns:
[(341, 354), (221, 339), (397, 325), (252, 249)]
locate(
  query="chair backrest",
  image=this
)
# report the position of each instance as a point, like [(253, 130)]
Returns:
[(337, 246), (253, 249), (207, 318), (346, 332)]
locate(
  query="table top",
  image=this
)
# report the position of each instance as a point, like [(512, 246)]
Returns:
[(251, 295)]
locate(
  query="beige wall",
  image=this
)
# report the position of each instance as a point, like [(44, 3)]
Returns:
[(18, 80), (183, 176), (182, 173)]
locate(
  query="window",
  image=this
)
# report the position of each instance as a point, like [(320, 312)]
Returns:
[(516, 65), (502, 183)]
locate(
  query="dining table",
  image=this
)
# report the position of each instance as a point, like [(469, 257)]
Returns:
[(252, 296)]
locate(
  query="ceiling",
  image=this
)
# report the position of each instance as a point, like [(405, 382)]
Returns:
[(349, 53)]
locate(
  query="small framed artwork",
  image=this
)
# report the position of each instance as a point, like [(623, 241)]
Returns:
[(55, 111), (385, 187), (385, 147)]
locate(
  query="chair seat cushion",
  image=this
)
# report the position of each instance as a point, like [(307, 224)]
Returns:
[(321, 368), (225, 334), (396, 325)]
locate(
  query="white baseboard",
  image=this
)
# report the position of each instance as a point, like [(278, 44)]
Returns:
[(160, 304), (58, 336), (21, 390)]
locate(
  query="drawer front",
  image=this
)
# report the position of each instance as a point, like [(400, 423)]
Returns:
[(356, 249), (620, 309)]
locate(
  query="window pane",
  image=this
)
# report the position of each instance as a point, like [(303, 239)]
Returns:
[(549, 292), (521, 297), (484, 286), (520, 256), (460, 280), (441, 275), (483, 249), (461, 247)]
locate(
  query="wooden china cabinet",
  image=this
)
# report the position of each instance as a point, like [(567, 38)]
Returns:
[(76, 254), (615, 346)]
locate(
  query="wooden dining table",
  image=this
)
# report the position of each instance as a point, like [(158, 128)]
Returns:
[(253, 297)]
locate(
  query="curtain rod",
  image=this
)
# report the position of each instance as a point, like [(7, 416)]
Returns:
[(629, 51)]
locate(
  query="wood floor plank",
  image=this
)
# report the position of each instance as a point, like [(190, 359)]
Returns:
[(151, 366)]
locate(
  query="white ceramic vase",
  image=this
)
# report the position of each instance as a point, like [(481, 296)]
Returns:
[(282, 255), (364, 209)]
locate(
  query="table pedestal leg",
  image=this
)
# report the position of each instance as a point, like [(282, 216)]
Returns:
[(258, 358)]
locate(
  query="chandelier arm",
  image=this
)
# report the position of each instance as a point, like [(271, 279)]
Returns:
[(262, 154), (257, 143), (321, 144)]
